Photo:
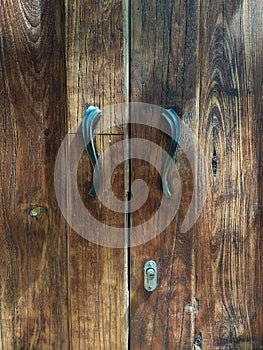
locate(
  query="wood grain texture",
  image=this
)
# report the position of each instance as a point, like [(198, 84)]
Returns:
[(209, 295), (164, 43), (33, 287), (202, 58), (95, 74), (95, 65), (229, 234)]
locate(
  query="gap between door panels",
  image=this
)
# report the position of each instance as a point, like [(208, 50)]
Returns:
[(127, 175)]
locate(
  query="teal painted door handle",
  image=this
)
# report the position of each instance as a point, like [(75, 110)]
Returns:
[(173, 120), (90, 117), (93, 114)]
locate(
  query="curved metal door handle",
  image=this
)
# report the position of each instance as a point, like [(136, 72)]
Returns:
[(91, 115), (173, 120)]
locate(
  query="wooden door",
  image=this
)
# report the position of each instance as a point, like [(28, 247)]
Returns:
[(204, 60), (58, 290)]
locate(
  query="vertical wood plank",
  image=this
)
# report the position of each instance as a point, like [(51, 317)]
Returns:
[(164, 71), (94, 55), (229, 233), (95, 74), (226, 271), (33, 260)]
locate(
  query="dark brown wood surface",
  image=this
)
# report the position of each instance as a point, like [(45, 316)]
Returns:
[(33, 258), (98, 292), (228, 245), (202, 58), (164, 72), (209, 294)]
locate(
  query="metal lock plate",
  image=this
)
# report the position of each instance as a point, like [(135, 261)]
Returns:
[(150, 275)]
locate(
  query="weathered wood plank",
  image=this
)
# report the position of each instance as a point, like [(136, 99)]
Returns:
[(95, 74), (95, 55), (59, 291), (164, 72), (224, 294), (33, 287), (229, 233)]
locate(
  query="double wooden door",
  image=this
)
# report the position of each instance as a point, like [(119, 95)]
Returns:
[(203, 58)]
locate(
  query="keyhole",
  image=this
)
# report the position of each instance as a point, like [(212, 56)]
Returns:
[(150, 273)]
